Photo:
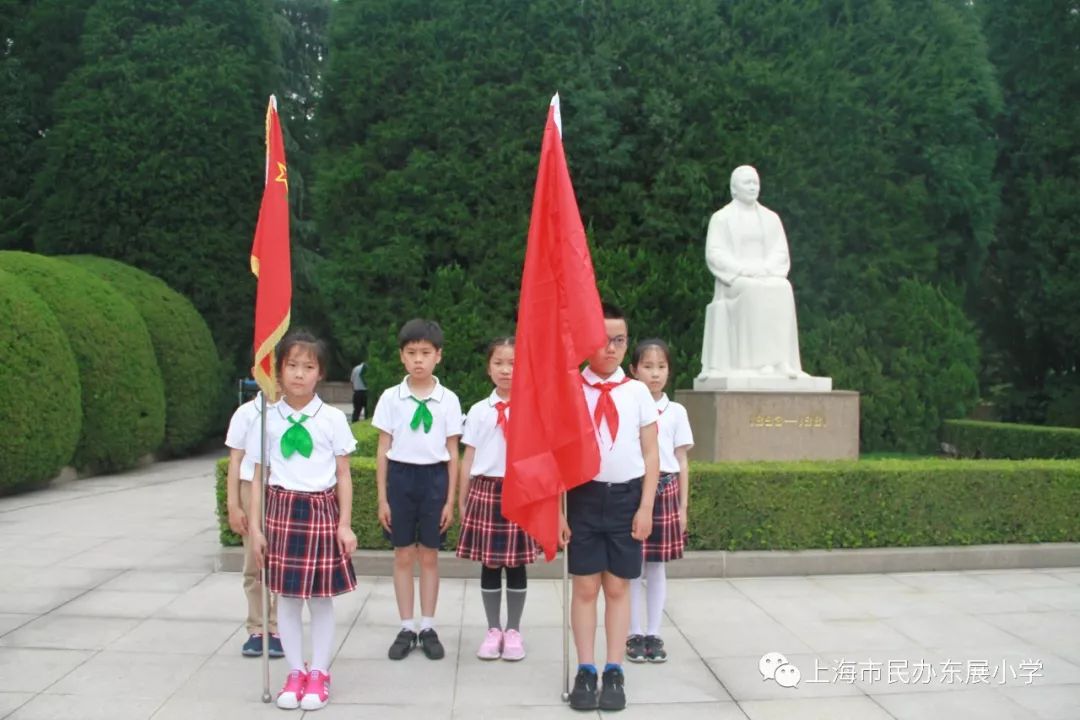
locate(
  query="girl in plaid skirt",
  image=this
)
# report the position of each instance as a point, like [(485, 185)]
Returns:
[(486, 536), (651, 364), (308, 537)]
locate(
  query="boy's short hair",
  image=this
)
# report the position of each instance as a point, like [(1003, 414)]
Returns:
[(612, 312), (420, 330)]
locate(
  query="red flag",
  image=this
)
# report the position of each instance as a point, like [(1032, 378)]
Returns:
[(551, 444), (270, 257)]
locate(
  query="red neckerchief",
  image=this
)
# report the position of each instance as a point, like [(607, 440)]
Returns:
[(605, 405), (501, 407)]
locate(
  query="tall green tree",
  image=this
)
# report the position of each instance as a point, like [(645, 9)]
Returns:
[(39, 47), (869, 122), (301, 27), (1031, 289), (156, 158)]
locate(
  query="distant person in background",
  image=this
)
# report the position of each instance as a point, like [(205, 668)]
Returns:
[(359, 392)]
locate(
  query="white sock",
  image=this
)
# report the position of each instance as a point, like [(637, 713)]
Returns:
[(290, 620), (408, 624), (635, 604), (322, 632), (427, 623), (656, 579)]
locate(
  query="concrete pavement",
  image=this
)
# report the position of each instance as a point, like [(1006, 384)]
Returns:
[(110, 608)]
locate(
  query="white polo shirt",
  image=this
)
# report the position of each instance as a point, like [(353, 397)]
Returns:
[(673, 427), (484, 435), (330, 435), (394, 414), (621, 461), (244, 421)]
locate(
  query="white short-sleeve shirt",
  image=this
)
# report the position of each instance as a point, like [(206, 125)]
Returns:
[(245, 420), (673, 428), (621, 461), (331, 437), (394, 413), (483, 433)]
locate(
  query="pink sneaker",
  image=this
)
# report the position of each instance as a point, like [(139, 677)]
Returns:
[(492, 645), (316, 691), (513, 646), (290, 696)]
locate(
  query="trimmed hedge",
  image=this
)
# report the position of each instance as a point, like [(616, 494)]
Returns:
[(123, 402), (792, 506), (40, 405), (184, 348), (980, 439), (367, 439)]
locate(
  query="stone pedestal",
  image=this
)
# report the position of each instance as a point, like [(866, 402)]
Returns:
[(734, 425), (747, 382)]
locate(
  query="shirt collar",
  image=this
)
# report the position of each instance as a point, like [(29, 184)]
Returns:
[(437, 392), (662, 403), (310, 409), (494, 398), (592, 378)]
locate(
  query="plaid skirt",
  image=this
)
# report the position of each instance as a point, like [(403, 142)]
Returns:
[(303, 559), (488, 537), (667, 541)]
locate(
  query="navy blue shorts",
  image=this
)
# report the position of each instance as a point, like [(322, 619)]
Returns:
[(417, 495), (600, 516)]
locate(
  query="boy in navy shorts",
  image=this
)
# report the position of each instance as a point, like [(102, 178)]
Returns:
[(610, 516), (419, 424)]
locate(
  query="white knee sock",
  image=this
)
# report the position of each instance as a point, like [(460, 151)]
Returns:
[(635, 603), (322, 632), (656, 579), (290, 612)]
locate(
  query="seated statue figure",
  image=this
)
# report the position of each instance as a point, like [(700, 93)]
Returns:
[(750, 327)]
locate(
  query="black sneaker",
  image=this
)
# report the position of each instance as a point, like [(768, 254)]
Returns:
[(612, 695), (654, 649), (583, 696), (429, 643), (253, 647), (275, 651), (403, 645), (635, 648)]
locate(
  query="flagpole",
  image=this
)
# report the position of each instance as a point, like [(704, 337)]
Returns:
[(565, 614), (262, 528)]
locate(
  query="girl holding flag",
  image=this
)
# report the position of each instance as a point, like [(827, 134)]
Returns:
[(309, 538)]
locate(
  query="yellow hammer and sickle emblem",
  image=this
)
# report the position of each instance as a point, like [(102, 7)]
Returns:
[(281, 178)]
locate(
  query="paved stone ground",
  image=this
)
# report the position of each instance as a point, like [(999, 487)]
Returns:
[(109, 608)]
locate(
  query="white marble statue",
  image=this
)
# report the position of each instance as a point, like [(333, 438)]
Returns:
[(751, 335)]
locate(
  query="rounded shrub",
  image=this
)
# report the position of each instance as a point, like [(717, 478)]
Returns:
[(183, 345), (40, 404), (123, 401)]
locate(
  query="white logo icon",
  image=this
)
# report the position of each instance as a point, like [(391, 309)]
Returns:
[(774, 666)]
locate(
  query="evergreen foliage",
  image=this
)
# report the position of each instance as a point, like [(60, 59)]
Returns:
[(1031, 291), (157, 155), (40, 401), (793, 506), (1015, 441), (869, 122), (183, 346), (40, 47), (123, 401)]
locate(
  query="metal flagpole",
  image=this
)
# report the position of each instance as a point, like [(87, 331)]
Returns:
[(262, 528), (565, 615)]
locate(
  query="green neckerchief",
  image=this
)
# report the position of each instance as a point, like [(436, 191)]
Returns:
[(422, 414), (297, 439)]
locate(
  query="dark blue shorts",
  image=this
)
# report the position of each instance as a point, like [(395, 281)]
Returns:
[(417, 495), (600, 516)]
